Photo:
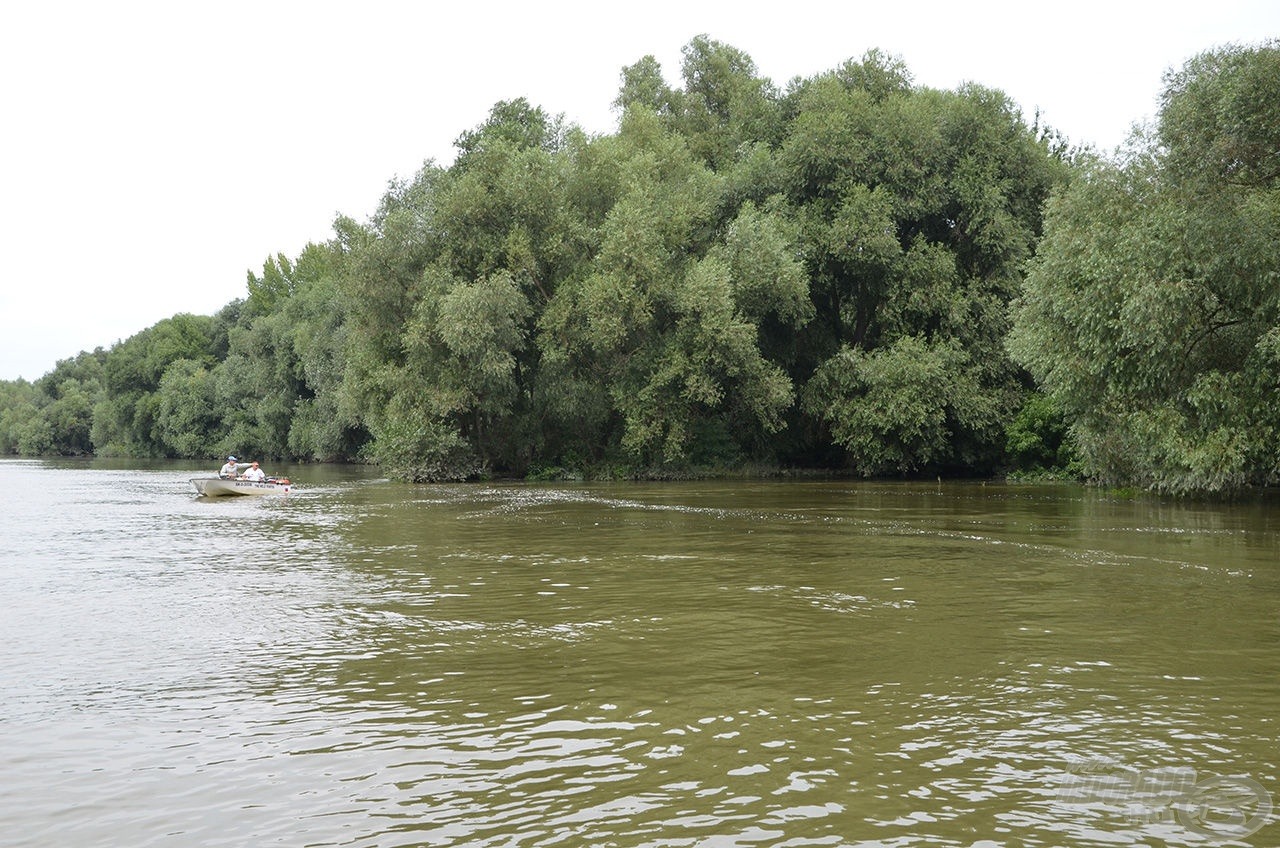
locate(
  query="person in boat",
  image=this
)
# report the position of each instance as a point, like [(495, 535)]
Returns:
[(230, 469), (254, 473)]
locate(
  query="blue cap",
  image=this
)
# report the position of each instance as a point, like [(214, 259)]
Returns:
[(231, 459)]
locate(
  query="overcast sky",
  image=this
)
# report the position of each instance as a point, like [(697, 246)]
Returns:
[(153, 153)]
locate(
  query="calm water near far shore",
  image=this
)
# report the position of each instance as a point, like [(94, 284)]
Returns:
[(777, 663)]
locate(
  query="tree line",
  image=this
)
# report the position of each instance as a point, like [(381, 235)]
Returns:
[(854, 273)]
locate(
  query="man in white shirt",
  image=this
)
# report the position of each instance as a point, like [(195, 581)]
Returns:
[(255, 473)]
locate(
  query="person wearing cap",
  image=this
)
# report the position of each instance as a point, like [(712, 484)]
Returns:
[(231, 469), (255, 473)]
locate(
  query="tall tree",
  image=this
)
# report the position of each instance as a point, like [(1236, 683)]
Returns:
[(1152, 310), (479, 247), (124, 421), (666, 317), (917, 209)]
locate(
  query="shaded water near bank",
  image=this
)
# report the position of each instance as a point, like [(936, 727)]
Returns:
[(368, 663)]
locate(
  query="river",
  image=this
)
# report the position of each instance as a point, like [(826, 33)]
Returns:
[(801, 663)]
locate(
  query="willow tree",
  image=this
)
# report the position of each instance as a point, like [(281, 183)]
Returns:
[(125, 420), (723, 105), (666, 317), (455, 267), (279, 389), (1152, 309), (917, 209)]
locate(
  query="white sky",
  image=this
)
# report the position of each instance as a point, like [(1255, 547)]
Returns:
[(153, 152)]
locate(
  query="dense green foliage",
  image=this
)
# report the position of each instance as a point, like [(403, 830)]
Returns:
[(818, 277), (1152, 309)]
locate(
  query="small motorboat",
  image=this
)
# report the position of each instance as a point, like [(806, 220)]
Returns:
[(215, 487)]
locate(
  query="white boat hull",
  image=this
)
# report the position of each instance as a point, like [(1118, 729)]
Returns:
[(213, 487)]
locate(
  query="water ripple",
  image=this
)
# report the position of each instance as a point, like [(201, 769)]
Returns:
[(368, 664)]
